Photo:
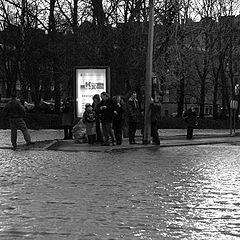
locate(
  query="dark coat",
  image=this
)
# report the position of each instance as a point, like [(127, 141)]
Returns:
[(67, 114), (14, 109), (133, 110), (96, 108), (89, 119), (106, 114), (190, 118), (155, 112), (119, 115)]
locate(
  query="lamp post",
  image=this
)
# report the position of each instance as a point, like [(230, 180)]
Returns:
[(148, 83)]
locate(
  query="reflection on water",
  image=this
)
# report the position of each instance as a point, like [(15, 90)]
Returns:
[(171, 193)]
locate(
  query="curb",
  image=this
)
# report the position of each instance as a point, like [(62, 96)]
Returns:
[(170, 143), (166, 142), (54, 143)]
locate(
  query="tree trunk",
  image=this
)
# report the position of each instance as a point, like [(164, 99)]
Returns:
[(52, 42), (98, 12), (75, 16), (215, 95), (181, 97), (223, 90), (202, 97)]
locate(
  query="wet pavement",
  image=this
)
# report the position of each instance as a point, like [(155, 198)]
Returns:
[(53, 140), (176, 192)]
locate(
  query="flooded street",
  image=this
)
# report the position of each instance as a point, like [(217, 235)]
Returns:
[(170, 193)]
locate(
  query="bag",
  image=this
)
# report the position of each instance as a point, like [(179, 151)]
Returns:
[(79, 132)]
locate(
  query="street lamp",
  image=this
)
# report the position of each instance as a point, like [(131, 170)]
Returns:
[(148, 83)]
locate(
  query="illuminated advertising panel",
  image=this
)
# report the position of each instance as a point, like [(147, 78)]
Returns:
[(89, 81)]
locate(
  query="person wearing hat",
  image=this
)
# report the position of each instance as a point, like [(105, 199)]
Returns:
[(15, 112), (89, 119)]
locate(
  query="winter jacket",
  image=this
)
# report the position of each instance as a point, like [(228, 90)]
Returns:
[(67, 114), (133, 110), (89, 119), (119, 115), (190, 118), (14, 109), (155, 112), (106, 114)]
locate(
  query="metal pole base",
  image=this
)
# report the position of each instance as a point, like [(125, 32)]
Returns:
[(146, 142)]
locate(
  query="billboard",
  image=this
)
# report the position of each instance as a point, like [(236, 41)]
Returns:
[(88, 82)]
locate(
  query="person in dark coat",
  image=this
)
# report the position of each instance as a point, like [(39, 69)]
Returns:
[(68, 117), (190, 117), (118, 118), (155, 118), (96, 101), (133, 112), (106, 109), (15, 112)]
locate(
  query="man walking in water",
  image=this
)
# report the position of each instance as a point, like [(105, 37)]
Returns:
[(15, 112)]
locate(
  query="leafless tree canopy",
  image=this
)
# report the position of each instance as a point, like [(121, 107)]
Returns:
[(196, 47)]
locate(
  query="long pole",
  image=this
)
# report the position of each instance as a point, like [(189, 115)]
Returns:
[(148, 83), (234, 121), (230, 121)]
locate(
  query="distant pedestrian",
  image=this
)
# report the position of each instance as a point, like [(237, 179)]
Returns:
[(68, 117), (118, 118), (89, 119), (96, 101), (15, 112), (133, 113), (155, 118), (190, 117), (106, 108)]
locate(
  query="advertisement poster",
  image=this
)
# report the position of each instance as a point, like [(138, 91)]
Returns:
[(89, 81)]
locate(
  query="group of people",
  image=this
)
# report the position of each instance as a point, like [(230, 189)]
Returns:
[(105, 118)]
